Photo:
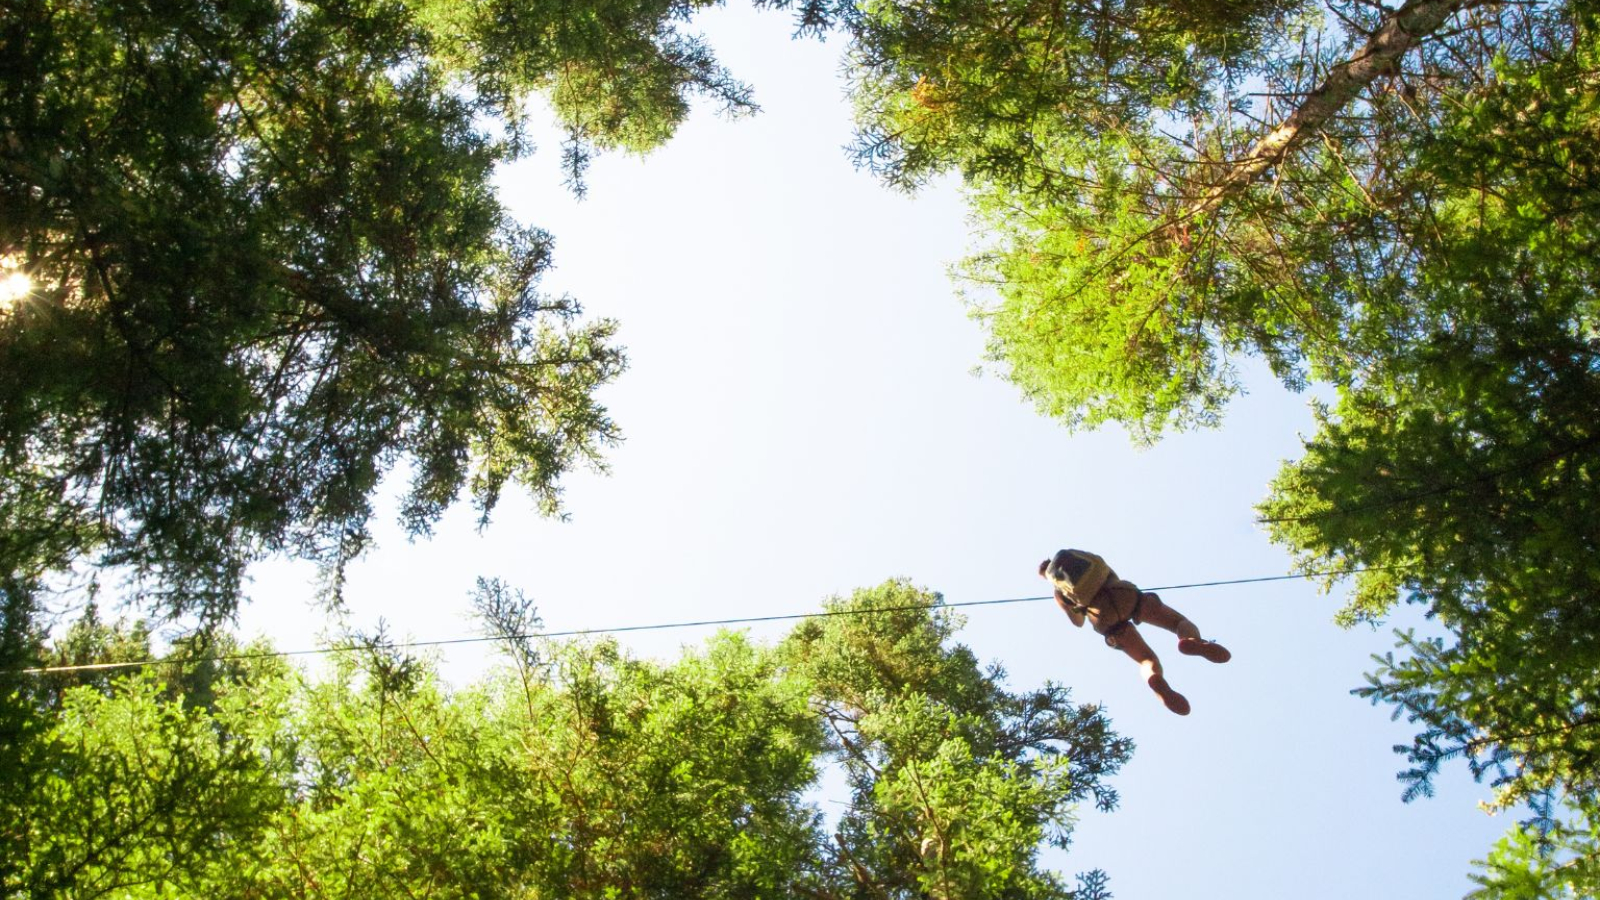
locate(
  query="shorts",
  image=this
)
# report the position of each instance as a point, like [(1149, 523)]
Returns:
[(1125, 599)]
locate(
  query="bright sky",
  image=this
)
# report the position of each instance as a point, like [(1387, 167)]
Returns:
[(801, 420)]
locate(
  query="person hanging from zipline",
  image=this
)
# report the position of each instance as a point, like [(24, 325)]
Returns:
[(1086, 588)]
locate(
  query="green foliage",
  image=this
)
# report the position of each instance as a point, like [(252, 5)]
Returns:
[(1556, 865), (577, 772), (1058, 116), (269, 267), (1403, 208), (992, 88), (1089, 346), (954, 781), (1135, 244), (616, 72), (612, 777), (134, 792), (1468, 462)]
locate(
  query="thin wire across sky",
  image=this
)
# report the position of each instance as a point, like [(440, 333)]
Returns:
[(622, 629)]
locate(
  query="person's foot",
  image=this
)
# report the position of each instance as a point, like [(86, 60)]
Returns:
[(1211, 651), (1174, 700)]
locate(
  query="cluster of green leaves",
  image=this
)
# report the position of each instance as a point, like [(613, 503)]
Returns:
[(1057, 116), (115, 782), (954, 782), (1469, 462), (1557, 862), (269, 267), (1398, 201), (576, 772)]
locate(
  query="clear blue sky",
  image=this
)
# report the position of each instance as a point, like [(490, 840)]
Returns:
[(801, 420)]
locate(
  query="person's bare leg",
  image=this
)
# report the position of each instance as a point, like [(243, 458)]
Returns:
[(1153, 611), (1131, 642)]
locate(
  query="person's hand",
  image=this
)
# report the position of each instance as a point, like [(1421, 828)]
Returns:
[(1073, 613)]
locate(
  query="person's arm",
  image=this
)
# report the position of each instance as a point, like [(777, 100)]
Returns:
[(1073, 613)]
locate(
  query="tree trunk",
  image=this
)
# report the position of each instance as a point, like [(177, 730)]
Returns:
[(1404, 29)]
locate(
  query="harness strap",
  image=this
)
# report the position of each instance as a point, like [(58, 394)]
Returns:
[(1132, 616), (1125, 622)]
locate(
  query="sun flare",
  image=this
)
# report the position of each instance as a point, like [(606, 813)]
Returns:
[(14, 284)]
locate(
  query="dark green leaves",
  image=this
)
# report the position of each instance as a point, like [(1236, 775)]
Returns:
[(269, 267)]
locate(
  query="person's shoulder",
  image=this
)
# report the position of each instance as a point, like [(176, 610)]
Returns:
[(1088, 555)]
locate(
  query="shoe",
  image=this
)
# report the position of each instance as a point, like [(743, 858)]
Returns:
[(1211, 651), (1174, 700)]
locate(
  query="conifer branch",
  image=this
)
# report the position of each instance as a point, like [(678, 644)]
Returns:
[(1403, 30)]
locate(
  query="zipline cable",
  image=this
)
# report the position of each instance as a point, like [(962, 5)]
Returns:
[(621, 629)]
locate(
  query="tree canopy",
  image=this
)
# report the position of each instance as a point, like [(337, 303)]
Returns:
[(268, 266), (575, 771), (265, 266), (1397, 201)]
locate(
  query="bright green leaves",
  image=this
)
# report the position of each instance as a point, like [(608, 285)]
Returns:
[(1523, 865), (901, 650), (582, 773), (685, 775), (136, 793), (1467, 457), (1141, 222), (1105, 300), (975, 823), (1401, 204), (954, 781), (1472, 472), (1091, 322)]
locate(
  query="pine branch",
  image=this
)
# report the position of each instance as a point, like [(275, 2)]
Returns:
[(1403, 30)]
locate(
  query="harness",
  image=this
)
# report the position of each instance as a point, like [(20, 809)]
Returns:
[(1084, 575), (1130, 619)]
